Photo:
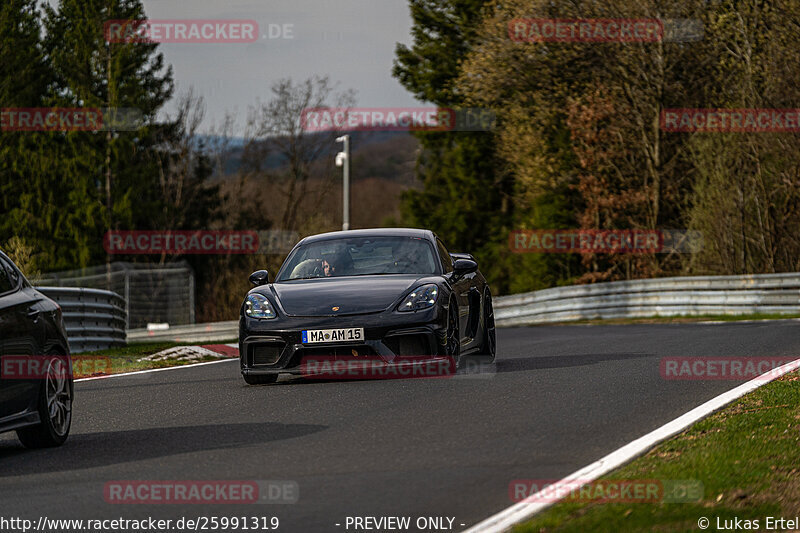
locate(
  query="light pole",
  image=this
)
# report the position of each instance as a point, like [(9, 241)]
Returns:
[(343, 159)]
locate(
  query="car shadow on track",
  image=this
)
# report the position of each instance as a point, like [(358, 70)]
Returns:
[(522, 364), (471, 366), (478, 367), (90, 450)]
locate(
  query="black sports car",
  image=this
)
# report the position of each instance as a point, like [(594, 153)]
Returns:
[(36, 388), (374, 294)]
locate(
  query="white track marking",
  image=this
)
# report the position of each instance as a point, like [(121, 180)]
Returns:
[(109, 376), (524, 510), (160, 369)]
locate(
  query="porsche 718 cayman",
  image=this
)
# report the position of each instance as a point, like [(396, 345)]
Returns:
[(385, 294)]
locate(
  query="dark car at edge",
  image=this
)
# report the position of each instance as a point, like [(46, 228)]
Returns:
[(381, 293), (36, 386)]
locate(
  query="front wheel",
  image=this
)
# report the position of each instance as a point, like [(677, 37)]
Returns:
[(453, 339), (489, 344), (263, 379), (55, 408)]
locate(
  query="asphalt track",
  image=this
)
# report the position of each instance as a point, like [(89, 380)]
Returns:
[(558, 398)]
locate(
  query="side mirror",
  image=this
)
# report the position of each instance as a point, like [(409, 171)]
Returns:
[(462, 267), (259, 277)]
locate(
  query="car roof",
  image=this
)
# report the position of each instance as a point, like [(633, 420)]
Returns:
[(372, 232)]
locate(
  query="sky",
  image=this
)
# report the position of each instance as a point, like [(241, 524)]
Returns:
[(352, 41)]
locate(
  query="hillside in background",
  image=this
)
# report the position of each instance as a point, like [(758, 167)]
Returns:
[(382, 167), (375, 155)]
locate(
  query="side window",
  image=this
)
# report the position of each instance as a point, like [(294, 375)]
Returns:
[(7, 284), (447, 261)]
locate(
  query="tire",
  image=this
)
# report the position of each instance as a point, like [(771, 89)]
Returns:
[(453, 335), (489, 344), (55, 408), (264, 379)]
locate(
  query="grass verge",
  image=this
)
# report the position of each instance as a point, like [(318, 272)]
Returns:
[(128, 359), (747, 457)]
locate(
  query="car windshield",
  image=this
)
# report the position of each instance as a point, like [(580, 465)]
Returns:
[(360, 256)]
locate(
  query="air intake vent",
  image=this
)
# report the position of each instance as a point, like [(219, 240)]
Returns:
[(408, 344), (266, 354)]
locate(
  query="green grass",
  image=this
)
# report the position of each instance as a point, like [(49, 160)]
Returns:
[(126, 359), (747, 456)]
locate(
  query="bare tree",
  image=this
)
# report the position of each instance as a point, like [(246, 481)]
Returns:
[(276, 129), (179, 159)]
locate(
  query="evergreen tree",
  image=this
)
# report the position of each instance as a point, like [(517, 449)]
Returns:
[(464, 197), (36, 207), (94, 73), (23, 79)]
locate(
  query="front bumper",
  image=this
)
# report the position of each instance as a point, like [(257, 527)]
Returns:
[(275, 346)]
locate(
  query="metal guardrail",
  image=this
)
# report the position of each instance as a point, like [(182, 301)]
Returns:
[(153, 292), (209, 332), (682, 296), (94, 318)]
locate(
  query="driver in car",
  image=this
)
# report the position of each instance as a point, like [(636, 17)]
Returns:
[(327, 268), (314, 267), (326, 265), (337, 264)]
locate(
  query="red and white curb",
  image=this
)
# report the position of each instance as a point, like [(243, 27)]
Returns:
[(230, 352)]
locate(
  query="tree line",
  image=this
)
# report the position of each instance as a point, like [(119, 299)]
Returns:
[(61, 191), (579, 143)]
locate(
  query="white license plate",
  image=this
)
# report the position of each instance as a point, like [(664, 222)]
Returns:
[(312, 336)]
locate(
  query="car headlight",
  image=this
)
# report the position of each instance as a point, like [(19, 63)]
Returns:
[(256, 306), (420, 298)]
